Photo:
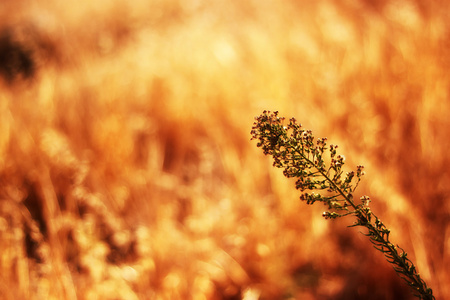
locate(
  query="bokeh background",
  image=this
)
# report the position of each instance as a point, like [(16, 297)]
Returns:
[(127, 170)]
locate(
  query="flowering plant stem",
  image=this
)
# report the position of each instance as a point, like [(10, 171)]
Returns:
[(294, 150)]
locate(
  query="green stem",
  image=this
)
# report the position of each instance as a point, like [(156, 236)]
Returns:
[(337, 188)]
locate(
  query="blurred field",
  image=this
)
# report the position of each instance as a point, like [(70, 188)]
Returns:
[(127, 170)]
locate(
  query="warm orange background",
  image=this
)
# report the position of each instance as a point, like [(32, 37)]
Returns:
[(127, 170)]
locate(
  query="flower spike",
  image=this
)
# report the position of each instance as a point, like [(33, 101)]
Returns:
[(320, 178)]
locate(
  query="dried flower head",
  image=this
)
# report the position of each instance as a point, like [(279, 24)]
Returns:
[(320, 178)]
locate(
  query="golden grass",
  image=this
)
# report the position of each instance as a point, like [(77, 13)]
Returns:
[(127, 170)]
